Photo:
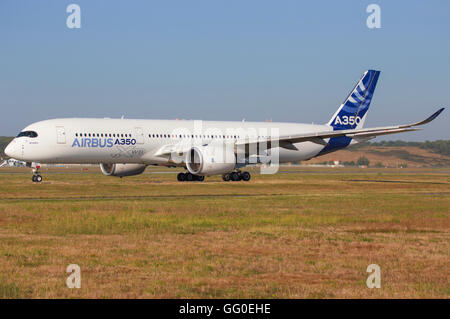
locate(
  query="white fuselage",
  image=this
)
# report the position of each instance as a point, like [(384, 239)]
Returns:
[(89, 140)]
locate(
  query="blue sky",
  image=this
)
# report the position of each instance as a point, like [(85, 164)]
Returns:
[(223, 60)]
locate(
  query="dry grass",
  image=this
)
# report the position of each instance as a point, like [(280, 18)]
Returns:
[(291, 235)]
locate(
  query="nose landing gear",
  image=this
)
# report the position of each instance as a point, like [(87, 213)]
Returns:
[(36, 178)]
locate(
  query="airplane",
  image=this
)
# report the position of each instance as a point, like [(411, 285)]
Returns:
[(125, 147)]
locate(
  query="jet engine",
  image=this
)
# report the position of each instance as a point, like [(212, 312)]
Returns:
[(209, 160), (122, 170)]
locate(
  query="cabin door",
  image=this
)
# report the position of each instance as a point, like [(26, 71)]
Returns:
[(139, 135), (60, 135)]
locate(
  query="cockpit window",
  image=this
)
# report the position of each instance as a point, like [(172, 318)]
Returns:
[(31, 134)]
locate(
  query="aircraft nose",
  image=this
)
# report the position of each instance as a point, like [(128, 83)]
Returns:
[(11, 149)]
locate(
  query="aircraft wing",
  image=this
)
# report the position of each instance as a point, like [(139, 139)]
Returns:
[(316, 137), (319, 137)]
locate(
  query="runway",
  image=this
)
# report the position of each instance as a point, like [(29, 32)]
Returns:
[(326, 171)]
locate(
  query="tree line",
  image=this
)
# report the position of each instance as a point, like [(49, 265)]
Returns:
[(439, 146)]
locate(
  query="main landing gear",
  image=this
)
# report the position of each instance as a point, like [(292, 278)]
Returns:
[(233, 176), (236, 176), (188, 177), (36, 178)]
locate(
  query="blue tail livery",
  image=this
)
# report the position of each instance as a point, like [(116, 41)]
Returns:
[(352, 113)]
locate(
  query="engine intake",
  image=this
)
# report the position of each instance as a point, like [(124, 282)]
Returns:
[(121, 170), (208, 160)]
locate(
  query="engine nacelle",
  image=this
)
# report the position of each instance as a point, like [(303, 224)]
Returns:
[(209, 160), (122, 170)]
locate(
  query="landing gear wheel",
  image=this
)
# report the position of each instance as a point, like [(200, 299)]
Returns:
[(36, 178), (181, 177), (200, 178), (235, 177), (189, 177), (245, 176), (226, 177)]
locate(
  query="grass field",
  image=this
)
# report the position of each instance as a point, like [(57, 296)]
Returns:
[(292, 235)]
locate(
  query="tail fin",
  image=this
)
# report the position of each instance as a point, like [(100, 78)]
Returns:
[(352, 113)]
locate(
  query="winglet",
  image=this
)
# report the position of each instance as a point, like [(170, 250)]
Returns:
[(429, 119)]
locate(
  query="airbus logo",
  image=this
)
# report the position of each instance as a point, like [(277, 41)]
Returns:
[(102, 142), (347, 120)]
